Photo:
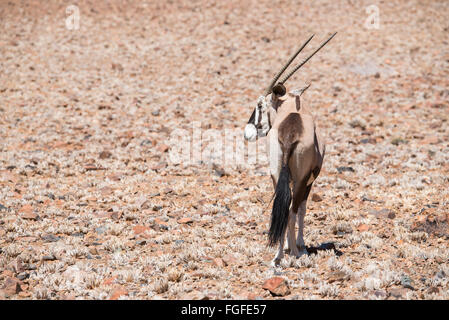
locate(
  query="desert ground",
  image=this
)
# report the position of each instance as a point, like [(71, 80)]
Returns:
[(92, 205)]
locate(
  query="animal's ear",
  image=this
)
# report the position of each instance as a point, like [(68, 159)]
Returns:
[(279, 90)]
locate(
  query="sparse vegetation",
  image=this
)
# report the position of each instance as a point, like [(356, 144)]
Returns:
[(92, 208)]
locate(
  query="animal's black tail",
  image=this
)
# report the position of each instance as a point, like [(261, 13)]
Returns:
[(281, 207)]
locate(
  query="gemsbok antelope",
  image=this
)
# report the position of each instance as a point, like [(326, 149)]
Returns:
[(296, 152)]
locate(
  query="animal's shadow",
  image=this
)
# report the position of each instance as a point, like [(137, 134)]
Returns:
[(324, 246), (321, 247)]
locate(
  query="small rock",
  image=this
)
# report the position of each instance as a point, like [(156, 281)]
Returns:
[(92, 167), (115, 177), (345, 169), (439, 259), (337, 276), (30, 267), (398, 141), (50, 257), (357, 124), (155, 113), (431, 224), (438, 104), (163, 148), (50, 238), (229, 259), (159, 166), (146, 204), (277, 286), (78, 234), (218, 171), (105, 155), (7, 273), (22, 276), (11, 286), (146, 142), (24, 294), (106, 191), (109, 281), (115, 215), (316, 197), (430, 140), (101, 230), (18, 266), (380, 294), (160, 224), (140, 229), (363, 227), (391, 215), (51, 196), (383, 213), (196, 295), (218, 262), (117, 66), (3, 208), (185, 220), (433, 290), (117, 293), (406, 282), (253, 296), (27, 212), (364, 198), (368, 140), (398, 292)]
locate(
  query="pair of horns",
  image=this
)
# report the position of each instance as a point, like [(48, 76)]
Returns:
[(278, 88)]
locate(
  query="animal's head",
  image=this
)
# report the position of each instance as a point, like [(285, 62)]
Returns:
[(259, 123)]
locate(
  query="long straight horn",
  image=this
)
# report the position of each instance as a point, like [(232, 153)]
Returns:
[(305, 60), (273, 82)]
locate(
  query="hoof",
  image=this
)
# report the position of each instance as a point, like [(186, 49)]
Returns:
[(275, 262)]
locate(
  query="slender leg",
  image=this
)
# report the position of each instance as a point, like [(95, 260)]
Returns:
[(301, 214), (291, 234), (300, 239)]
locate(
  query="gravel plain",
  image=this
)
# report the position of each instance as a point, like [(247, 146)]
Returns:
[(93, 206)]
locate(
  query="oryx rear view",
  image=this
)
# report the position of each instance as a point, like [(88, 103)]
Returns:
[(296, 152)]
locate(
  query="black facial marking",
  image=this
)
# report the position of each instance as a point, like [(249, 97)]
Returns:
[(252, 118), (259, 121)]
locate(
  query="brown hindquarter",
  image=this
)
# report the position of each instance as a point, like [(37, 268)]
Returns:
[(290, 132)]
